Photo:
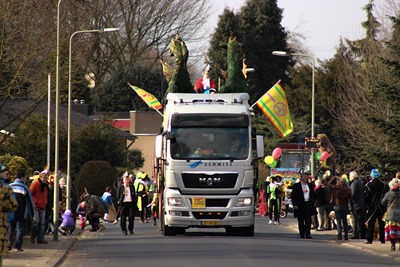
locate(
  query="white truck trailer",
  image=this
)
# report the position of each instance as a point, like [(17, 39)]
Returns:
[(206, 159)]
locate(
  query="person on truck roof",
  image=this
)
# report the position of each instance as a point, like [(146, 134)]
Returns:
[(205, 85)]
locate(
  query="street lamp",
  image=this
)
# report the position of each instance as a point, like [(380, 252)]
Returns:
[(288, 54), (56, 134), (68, 203)]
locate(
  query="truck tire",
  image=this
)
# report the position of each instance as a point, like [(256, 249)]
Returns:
[(230, 231), (173, 231), (247, 231), (168, 231), (243, 231)]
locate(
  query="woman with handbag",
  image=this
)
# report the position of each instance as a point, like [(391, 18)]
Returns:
[(392, 201)]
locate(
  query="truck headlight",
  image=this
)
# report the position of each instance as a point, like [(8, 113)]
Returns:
[(243, 201), (175, 201)]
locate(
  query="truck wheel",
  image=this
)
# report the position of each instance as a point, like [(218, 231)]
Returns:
[(230, 231), (247, 231), (243, 231), (172, 231), (168, 231)]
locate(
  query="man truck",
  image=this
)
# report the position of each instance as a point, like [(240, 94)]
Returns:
[(206, 163)]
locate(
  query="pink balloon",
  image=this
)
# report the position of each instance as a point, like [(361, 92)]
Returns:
[(277, 153), (324, 155)]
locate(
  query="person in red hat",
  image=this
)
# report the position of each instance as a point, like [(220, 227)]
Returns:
[(205, 84)]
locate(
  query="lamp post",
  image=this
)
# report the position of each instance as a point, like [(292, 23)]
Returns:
[(68, 201), (56, 134), (288, 54)]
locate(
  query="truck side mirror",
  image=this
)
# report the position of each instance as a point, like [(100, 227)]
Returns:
[(260, 146), (171, 137), (158, 148)]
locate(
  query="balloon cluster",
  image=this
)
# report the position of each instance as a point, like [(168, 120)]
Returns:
[(271, 160), (322, 157)]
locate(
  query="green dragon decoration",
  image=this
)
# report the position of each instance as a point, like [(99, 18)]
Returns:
[(235, 82), (178, 77), (179, 80)]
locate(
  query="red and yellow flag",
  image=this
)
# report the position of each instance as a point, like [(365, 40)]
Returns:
[(275, 107), (148, 98)]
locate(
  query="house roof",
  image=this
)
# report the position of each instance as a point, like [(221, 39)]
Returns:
[(12, 108)]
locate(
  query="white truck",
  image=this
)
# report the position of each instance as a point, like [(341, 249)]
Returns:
[(206, 162)]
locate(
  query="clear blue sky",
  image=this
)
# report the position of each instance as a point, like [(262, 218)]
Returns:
[(321, 22)]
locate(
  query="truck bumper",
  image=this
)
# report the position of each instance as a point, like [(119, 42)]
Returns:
[(219, 211)]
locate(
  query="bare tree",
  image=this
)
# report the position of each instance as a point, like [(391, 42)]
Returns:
[(24, 46), (358, 102), (146, 28)]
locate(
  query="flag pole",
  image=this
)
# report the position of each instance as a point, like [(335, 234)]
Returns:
[(158, 112), (265, 93)]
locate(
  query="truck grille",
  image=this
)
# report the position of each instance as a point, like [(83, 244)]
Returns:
[(209, 215), (203, 180)]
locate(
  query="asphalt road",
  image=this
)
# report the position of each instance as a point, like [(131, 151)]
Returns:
[(272, 245)]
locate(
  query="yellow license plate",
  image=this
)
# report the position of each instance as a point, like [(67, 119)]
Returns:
[(210, 223), (198, 202)]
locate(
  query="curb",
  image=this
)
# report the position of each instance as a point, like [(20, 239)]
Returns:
[(61, 255)]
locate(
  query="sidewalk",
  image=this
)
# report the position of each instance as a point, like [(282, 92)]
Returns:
[(376, 248), (41, 255)]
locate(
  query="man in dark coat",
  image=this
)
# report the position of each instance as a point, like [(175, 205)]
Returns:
[(127, 202), (358, 216), (303, 198), (375, 190)]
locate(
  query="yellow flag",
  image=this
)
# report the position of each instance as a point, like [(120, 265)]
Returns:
[(275, 107), (244, 69), (148, 98)]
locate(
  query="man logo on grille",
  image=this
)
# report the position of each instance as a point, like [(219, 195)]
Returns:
[(210, 181)]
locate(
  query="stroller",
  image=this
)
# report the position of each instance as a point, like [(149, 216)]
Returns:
[(286, 207)]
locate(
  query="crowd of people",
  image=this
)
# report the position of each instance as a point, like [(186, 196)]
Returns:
[(29, 207), (366, 208)]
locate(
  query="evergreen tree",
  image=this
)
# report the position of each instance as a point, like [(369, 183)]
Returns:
[(357, 70), (389, 125), (262, 33), (228, 24), (257, 27), (97, 141)]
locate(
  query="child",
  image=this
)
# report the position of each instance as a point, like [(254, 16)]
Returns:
[(108, 200), (68, 224), (81, 211), (154, 205)]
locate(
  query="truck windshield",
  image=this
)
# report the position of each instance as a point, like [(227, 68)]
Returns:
[(295, 159), (210, 143)]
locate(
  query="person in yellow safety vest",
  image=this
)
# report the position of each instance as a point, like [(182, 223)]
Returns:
[(142, 190), (138, 180), (154, 203)]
